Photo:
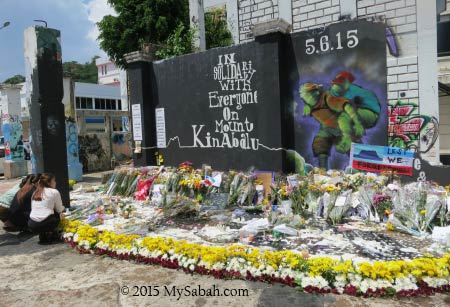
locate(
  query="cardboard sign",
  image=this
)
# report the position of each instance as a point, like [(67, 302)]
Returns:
[(267, 179), (215, 202), (377, 159)]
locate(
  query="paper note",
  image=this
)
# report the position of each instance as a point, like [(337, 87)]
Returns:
[(137, 123)]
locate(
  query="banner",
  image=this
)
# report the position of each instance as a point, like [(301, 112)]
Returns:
[(379, 159)]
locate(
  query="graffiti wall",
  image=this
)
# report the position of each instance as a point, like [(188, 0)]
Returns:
[(408, 129), (72, 142), (93, 155), (12, 132), (338, 84), (221, 107), (121, 149)]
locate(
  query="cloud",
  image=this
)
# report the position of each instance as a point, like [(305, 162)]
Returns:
[(96, 10)]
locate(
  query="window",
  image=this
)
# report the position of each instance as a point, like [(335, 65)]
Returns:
[(104, 70), (83, 103), (106, 104), (119, 104), (97, 104), (117, 124)]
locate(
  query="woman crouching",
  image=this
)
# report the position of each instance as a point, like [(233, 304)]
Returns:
[(46, 209)]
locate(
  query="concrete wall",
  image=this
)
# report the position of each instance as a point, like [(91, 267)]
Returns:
[(310, 14), (444, 127), (253, 11), (99, 151), (444, 102)]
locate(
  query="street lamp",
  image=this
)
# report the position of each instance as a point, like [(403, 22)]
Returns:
[(5, 24), (40, 20)]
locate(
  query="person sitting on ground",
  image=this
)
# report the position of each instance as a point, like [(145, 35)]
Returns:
[(46, 209), (19, 212), (6, 200)]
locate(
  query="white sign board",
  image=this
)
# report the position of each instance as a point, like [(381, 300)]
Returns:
[(137, 123), (160, 128)]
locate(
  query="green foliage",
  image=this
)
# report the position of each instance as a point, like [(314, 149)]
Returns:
[(178, 43), (216, 30), (15, 80), (87, 72), (145, 21)]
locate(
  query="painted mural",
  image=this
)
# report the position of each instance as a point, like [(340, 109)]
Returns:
[(339, 90), (409, 129), (93, 156), (12, 132), (72, 142), (121, 149)]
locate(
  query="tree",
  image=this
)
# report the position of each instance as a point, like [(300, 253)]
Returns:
[(15, 80), (145, 21), (216, 30), (87, 72)]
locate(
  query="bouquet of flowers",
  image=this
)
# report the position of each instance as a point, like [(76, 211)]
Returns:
[(415, 206), (383, 205), (366, 197)]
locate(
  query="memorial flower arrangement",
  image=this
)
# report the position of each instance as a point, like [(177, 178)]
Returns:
[(426, 275), (315, 194), (415, 207), (412, 208), (383, 205)]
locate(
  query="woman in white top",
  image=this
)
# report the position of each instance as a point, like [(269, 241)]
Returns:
[(46, 209)]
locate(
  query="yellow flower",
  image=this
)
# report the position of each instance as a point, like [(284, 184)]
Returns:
[(423, 212), (253, 257), (390, 226)]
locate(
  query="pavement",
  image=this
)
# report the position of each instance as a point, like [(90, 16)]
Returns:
[(57, 275)]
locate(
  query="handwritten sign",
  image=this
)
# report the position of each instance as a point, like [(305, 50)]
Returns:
[(377, 159), (215, 202), (232, 130)]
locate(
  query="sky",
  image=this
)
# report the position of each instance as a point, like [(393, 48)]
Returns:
[(74, 18)]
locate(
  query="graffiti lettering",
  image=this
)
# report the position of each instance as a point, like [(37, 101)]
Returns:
[(72, 142), (232, 76), (324, 44), (405, 130)]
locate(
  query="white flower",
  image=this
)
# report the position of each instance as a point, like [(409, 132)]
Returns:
[(435, 282), (316, 281)]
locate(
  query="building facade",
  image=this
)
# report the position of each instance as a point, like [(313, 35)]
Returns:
[(103, 126)]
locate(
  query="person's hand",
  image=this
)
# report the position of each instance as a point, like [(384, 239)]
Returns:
[(306, 110), (62, 216), (358, 129)]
